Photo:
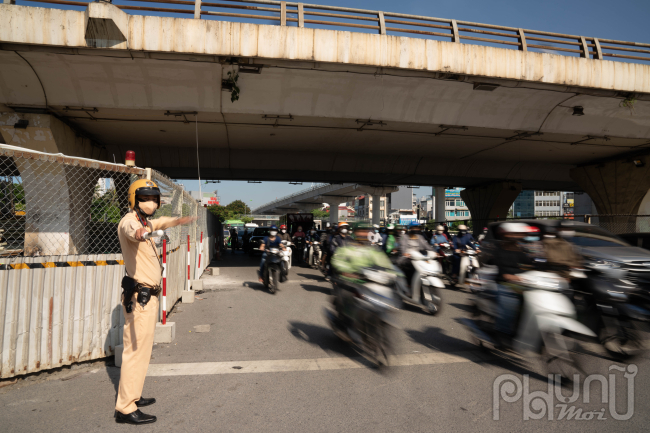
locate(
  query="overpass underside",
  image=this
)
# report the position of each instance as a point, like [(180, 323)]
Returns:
[(317, 121)]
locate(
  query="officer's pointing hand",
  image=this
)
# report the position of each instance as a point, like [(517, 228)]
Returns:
[(139, 233), (185, 220)]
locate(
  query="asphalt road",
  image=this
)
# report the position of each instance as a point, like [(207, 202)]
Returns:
[(269, 363)]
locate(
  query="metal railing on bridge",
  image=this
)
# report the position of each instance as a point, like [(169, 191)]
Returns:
[(388, 23)]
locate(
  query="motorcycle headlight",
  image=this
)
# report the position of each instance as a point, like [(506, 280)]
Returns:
[(604, 264)]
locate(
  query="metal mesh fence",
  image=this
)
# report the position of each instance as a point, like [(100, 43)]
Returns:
[(57, 205)]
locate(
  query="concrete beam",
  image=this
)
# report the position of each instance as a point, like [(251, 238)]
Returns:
[(489, 202), (106, 26)]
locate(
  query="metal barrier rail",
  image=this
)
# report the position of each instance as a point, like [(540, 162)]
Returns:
[(395, 23), (295, 194)]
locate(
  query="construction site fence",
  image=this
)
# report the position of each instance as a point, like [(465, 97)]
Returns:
[(60, 258)]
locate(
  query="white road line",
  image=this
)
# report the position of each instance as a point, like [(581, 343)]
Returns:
[(287, 365)]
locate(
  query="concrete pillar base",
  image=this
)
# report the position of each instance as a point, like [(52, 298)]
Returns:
[(118, 355), (165, 333), (187, 297), (214, 271), (196, 285), (489, 202)]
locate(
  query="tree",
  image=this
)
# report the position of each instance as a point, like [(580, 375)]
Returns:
[(221, 212), (246, 219), (238, 207), (320, 214)]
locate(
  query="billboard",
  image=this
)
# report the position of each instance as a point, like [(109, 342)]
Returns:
[(209, 199), (407, 220), (402, 199), (453, 192)]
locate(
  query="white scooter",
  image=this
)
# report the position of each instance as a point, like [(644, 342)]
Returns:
[(425, 284), (468, 265), (315, 254), (547, 318), (287, 255)]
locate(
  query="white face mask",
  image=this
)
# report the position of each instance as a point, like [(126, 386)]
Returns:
[(284, 231), (313, 231), (148, 207), (344, 231), (273, 233), (439, 232), (403, 232)]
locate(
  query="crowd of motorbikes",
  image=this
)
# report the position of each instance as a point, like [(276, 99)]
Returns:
[(552, 314)]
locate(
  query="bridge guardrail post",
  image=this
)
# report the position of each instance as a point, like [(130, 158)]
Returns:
[(585, 48), (197, 9), (522, 40), (301, 15), (382, 23), (599, 52), (455, 37), (283, 13)]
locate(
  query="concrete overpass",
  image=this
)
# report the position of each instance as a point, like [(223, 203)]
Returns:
[(328, 105), (311, 198)]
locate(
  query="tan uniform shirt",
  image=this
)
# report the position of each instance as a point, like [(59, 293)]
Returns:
[(141, 258)]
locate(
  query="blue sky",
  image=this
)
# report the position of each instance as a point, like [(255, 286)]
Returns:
[(625, 20)]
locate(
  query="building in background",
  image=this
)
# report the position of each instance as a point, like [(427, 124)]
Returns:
[(524, 205), (455, 207), (548, 203)]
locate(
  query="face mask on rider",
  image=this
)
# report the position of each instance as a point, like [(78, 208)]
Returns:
[(284, 231), (273, 233), (313, 232), (462, 232), (531, 238), (148, 207), (403, 232), (344, 231)]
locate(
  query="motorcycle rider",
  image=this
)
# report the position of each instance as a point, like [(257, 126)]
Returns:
[(312, 236), (560, 254), (234, 239), (284, 236), (341, 239), (463, 241), (439, 238), (389, 243), (414, 241), (348, 263), (483, 234), (299, 233), (245, 237), (271, 241), (511, 259)]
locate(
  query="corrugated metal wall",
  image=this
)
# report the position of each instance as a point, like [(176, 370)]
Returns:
[(56, 316)]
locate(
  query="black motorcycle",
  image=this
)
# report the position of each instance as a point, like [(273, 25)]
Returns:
[(273, 269), (445, 258), (363, 313), (614, 308), (298, 248)]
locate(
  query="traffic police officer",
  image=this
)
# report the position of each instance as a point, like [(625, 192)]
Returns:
[(140, 302)]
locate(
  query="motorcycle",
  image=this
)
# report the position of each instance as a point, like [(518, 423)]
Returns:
[(445, 254), (547, 318), (425, 284), (273, 269), (298, 247), (615, 309), (287, 256), (468, 265), (363, 314), (315, 254)]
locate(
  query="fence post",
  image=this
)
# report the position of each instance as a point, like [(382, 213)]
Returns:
[(382, 23), (585, 48), (522, 39), (197, 9), (301, 15), (455, 37), (283, 13), (599, 52), (164, 282), (189, 263)]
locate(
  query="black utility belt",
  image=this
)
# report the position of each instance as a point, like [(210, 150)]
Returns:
[(144, 291)]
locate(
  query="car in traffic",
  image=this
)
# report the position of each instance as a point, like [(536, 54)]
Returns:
[(257, 238), (597, 246)]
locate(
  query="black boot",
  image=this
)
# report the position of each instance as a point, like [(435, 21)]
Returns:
[(136, 418), (145, 402)]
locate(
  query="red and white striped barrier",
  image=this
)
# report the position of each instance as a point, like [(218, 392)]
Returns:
[(200, 248), (164, 283), (189, 261)]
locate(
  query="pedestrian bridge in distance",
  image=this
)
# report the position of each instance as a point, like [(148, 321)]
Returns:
[(326, 94)]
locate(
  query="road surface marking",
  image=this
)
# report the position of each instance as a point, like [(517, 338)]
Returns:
[(318, 364)]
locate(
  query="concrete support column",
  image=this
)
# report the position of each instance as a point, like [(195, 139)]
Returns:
[(488, 202), (376, 200), (440, 204), (617, 188), (58, 197)]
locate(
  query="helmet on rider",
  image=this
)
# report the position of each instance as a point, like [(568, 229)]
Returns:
[(513, 231), (361, 234), (343, 227), (440, 229), (273, 230), (283, 228)]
